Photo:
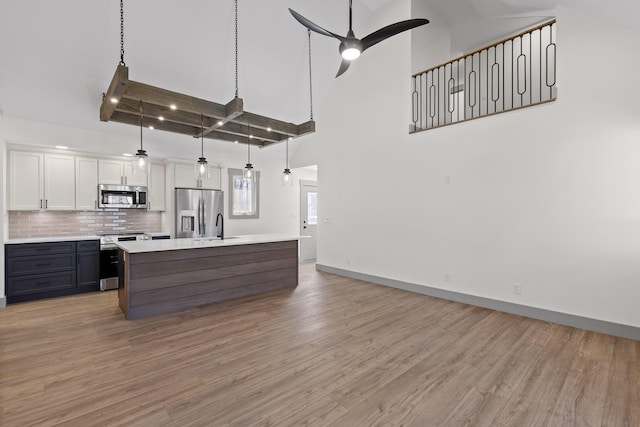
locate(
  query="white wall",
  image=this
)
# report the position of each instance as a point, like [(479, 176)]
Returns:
[(546, 197)]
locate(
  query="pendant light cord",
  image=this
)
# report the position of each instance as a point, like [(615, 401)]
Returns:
[(141, 125), (310, 79), (202, 136), (122, 33), (287, 163), (236, 4), (248, 144)]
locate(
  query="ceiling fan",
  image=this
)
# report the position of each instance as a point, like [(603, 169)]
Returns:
[(350, 46)]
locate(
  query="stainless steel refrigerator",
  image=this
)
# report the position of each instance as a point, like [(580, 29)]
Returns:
[(196, 212)]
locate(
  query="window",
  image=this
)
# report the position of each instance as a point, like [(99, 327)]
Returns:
[(312, 208), (244, 197)]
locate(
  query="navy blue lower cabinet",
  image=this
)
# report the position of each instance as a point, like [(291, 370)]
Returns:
[(44, 270), (88, 269)]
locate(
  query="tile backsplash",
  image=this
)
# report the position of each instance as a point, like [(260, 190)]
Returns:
[(25, 224)]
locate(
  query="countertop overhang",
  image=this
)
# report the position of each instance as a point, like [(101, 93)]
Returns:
[(202, 242)]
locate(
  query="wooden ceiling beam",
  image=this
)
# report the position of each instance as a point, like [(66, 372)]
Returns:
[(131, 106), (119, 84), (163, 97), (262, 122), (191, 116), (130, 119), (232, 110)]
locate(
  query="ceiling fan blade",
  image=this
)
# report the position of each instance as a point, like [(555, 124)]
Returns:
[(344, 65), (313, 27), (391, 30)]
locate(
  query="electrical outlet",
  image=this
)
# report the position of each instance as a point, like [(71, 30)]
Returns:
[(447, 277), (447, 179), (517, 288)]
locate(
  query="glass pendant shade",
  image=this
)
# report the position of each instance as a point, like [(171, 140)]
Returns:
[(202, 169), (140, 162), (247, 172), (287, 177)]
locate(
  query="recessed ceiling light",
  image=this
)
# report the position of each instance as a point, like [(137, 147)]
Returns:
[(161, 118), (250, 136), (173, 106), (235, 142), (150, 127), (220, 123), (268, 129), (114, 100), (127, 154), (62, 147)]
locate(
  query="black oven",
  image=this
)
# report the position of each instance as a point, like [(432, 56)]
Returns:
[(109, 258)]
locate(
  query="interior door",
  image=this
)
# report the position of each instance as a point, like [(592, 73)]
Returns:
[(308, 219)]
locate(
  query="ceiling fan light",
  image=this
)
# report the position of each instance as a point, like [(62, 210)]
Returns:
[(350, 53)]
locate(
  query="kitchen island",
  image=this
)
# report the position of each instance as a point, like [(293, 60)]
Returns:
[(162, 276)]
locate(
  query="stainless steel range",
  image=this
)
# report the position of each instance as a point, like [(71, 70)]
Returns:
[(109, 255)]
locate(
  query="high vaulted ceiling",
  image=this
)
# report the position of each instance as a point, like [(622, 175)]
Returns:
[(57, 58)]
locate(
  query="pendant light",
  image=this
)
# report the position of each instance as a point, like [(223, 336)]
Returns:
[(141, 160), (287, 179), (202, 168), (248, 169)]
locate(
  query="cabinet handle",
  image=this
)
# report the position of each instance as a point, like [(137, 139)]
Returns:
[(46, 204), (46, 264), (40, 203), (95, 203)]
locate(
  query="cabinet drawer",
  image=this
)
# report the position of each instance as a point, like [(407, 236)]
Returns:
[(39, 264), (88, 245), (27, 249), (40, 283)]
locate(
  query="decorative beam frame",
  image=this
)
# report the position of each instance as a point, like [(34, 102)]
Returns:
[(226, 122)]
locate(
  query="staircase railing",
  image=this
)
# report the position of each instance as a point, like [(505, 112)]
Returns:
[(511, 74)]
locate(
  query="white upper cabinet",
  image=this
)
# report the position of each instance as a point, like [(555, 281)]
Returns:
[(157, 188), (59, 182), (41, 181), (185, 177), (26, 181), (119, 172), (86, 184)]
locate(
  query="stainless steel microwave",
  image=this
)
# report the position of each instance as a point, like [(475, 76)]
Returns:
[(122, 196)]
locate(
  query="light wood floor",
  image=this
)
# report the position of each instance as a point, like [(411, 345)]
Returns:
[(334, 351)]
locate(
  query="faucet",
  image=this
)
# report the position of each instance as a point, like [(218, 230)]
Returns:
[(220, 217)]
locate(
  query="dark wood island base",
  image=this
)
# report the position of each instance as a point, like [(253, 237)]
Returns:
[(165, 281)]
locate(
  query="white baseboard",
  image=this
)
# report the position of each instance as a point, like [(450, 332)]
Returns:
[(609, 328), (3, 302)]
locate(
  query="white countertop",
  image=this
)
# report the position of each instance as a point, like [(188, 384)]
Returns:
[(66, 238), (206, 242), (50, 239)]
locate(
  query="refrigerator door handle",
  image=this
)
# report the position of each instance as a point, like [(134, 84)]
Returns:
[(198, 231), (204, 224)]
